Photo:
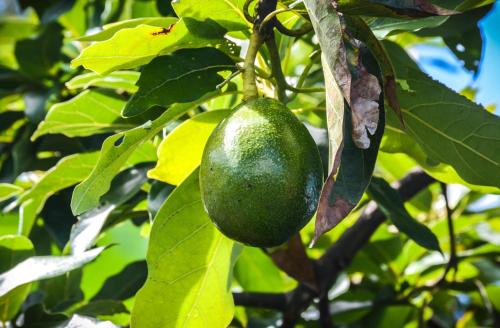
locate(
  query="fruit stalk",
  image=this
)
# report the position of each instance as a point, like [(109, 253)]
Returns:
[(260, 33)]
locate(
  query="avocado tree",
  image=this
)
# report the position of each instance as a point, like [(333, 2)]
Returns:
[(258, 163)]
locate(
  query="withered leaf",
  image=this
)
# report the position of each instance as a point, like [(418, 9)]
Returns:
[(365, 93)]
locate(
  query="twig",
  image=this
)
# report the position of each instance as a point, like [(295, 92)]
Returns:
[(229, 78), (275, 301), (246, 11), (453, 261), (325, 319), (277, 72), (306, 28)]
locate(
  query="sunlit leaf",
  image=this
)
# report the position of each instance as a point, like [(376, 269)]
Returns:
[(133, 47), (189, 267), (43, 267), (13, 249), (115, 152), (8, 190), (67, 172), (90, 112), (227, 13), (180, 152), (121, 80), (110, 29)]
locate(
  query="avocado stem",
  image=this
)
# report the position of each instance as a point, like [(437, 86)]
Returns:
[(260, 33), (250, 90)]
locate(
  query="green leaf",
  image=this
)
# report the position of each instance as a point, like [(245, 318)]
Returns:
[(125, 284), (179, 154), (36, 57), (90, 112), (227, 13), (133, 47), (110, 29), (123, 187), (67, 172), (189, 267), (16, 27), (43, 267), (383, 27), (393, 207), (8, 190), (13, 250), (102, 308), (116, 150), (256, 272), (121, 80), (396, 141), (165, 80), (450, 128)]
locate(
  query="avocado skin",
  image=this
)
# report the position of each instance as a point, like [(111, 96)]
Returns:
[(261, 174)]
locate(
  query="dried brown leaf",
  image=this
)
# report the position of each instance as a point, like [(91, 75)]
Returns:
[(365, 93)]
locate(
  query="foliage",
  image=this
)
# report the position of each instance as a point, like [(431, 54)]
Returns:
[(105, 109)]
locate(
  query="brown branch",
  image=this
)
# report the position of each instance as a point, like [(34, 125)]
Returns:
[(275, 301), (337, 257), (325, 319)]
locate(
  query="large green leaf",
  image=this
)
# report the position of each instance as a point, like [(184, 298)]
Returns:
[(397, 141), (110, 29), (227, 13), (43, 267), (133, 47), (179, 154), (13, 250), (67, 172), (115, 152), (450, 128), (393, 207), (189, 267), (90, 112), (120, 80), (165, 80)]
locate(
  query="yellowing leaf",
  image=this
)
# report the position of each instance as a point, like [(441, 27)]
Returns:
[(180, 152)]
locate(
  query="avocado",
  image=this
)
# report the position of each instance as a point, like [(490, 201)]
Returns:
[(261, 174)]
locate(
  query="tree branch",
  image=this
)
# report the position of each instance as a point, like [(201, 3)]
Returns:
[(337, 257), (275, 301)]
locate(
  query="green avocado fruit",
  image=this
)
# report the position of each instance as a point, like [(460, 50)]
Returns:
[(260, 174)]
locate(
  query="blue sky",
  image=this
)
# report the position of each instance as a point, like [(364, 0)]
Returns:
[(441, 63)]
